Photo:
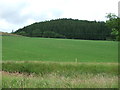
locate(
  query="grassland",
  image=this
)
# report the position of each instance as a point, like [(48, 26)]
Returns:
[(60, 68), (59, 75), (60, 50), (58, 63), (56, 81)]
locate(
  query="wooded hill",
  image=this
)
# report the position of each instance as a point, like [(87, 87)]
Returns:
[(67, 28)]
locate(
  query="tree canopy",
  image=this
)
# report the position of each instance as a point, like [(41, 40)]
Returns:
[(67, 28), (114, 24)]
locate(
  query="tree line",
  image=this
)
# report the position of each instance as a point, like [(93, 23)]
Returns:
[(68, 28)]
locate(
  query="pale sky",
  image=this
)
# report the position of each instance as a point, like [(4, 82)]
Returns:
[(15, 14)]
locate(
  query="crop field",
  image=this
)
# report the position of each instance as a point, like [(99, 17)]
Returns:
[(58, 63), (64, 50)]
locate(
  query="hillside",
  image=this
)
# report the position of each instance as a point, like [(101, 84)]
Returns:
[(67, 28), (8, 34), (63, 50)]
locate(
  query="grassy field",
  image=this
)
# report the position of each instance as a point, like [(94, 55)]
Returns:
[(60, 68), (58, 63), (56, 81), (64, 50), (59, 75)]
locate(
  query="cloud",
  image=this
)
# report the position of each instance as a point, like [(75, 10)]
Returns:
[(20, 11), (15, 14), (11, 11)]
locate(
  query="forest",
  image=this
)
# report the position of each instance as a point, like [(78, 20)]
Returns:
[(68, 28)]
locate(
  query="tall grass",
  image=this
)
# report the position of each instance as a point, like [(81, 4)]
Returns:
[(54, 80), (60, 68), (35, 74)]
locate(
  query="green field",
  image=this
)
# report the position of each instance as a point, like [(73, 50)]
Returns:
[(37, 74), (58, 63), (57, 81), (64, 50)]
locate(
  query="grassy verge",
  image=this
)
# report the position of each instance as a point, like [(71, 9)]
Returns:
[(60, 68), (54, 80), (59, 75)]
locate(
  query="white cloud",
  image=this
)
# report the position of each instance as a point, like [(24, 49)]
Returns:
[(15, 14), (90, 9)]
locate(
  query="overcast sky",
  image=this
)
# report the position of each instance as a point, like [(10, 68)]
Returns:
[(15, 14)]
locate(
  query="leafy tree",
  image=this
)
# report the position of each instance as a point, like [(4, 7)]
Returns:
[(51, 34), (114, 24), (22, 33), (36, 33), (48, 34)]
